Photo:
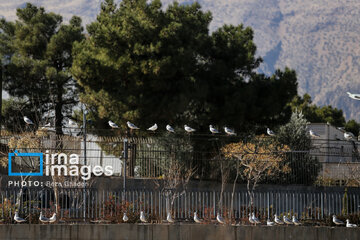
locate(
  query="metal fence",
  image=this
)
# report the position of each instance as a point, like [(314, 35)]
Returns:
[(149, 157), (110, 205)]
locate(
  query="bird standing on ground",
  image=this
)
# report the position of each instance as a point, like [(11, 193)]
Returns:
[(125, 217), (270, 132), (188, 129), (220, 219), (17, 218), (278, 220), (287, 220), (113, 125), (196, 218), (28, 121), (337, 221), (142, 217), (132, 126), (229, 131), (170, 129), (153, 128), (350, 225), (213, 130), (169, 218), (295, 221), (43, 219)]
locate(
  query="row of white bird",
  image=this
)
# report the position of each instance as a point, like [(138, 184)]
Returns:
[(347, 135), (252, 219), (42, 218)]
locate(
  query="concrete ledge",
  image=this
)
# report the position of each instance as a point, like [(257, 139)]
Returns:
[(174, 232)]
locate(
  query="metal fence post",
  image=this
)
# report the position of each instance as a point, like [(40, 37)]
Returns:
[(126, 146)]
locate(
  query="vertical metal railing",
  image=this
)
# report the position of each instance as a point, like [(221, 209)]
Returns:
[(108, 205)]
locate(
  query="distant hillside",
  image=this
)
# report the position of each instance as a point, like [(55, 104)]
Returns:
[(319, 39)]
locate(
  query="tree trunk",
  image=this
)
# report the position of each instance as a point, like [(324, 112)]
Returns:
[(233, 192)]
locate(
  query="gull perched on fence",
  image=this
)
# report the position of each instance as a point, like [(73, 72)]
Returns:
[(131, 126), (53, 218), (337, 221), (43, 219), (170, 129), (287, 220), (28, 121), (125, 217), (313, 134), (349, 136), (196, 218), (295, 221), (153, 128), (142, 217), (251, 220), (350, 225), (255, 219), (72, 123), (354, 96), (188, 129), (269, 222), (169, 218), (229, 131), (113, 125), (270, 132), (220, 219), (17, 218), (213, 130), (278, 220)]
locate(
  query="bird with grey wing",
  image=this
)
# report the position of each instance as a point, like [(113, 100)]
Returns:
[(287, 221), (169, 218), (295, 221), (53, 218), (255, 219), (196, 218), (125, 217), (270, 132), (132, 126), (220, 219), (28, 121), (349, 136), (354, 96), (277, 220), (18, 219), (269, 222), (153, 128), (313, 134), (112, 124), (43, 219), (189, 129), (213, 130), (229, 131), (337, 221), (251, 220), (142, 217), (170, 129), (350, 225)]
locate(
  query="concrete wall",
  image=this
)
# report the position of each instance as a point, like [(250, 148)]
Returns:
[(174, 232)]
